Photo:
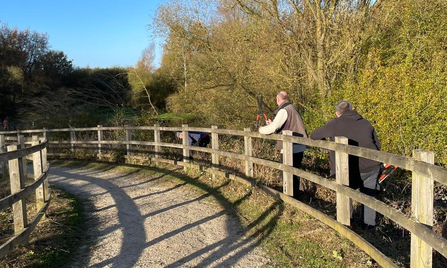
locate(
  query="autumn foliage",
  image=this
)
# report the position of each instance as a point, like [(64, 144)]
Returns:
[(387, 57)]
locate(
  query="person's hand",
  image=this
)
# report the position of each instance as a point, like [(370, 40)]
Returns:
[(268, 121)]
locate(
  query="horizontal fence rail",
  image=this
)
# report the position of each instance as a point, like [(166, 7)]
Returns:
[(425, 173), (15, 155)]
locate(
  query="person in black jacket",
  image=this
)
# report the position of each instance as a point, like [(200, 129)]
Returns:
[(363, 173)]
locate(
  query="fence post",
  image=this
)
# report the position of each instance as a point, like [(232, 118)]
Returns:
[(128, 146), (21, 142), (287, 159), (100, 138), (214, 146), (46, 185), (17, 181), (185, 142), (422, 198), (248, 149), (38, 168), (72, 139), (342, 178), (18, 137), (2, 150), (45, 136), (157, 140)]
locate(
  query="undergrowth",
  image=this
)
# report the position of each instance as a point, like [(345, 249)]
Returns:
[(54, 240)]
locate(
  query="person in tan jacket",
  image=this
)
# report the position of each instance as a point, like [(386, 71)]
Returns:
[(288, 118)]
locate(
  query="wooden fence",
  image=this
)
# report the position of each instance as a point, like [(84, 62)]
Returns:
[(13, 160), (424, 173)]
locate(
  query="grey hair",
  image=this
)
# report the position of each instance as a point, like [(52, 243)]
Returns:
[(282, 95), (343, 106)]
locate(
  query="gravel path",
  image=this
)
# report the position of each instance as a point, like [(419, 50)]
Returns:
[(137, 220)]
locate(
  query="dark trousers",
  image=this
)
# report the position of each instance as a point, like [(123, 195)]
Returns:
[(370, 187), (297, 159)]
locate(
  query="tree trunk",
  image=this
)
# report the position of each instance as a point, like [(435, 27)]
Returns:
[(320, 37), (185, 70)]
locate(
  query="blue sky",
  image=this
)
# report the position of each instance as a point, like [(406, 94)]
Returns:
[(95, 33)]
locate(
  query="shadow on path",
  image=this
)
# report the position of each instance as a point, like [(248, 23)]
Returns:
[(128, 213), (136, 242)]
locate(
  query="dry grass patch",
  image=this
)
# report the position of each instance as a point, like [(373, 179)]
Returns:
[(54, 239), (290, 237)]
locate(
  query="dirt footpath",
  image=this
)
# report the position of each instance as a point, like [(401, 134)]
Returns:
[(137, 220)]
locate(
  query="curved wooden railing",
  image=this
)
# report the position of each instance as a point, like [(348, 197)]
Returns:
[(16, 167), (424, 173)]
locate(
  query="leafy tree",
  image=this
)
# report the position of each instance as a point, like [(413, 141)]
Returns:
[(150, 88), (402, 85), (259, 47), (28, 69), (319, 52)]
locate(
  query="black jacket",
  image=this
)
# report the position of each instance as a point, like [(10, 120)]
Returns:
[(359, 132)]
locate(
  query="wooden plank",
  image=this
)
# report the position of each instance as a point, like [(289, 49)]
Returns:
[(435, 172), (144, 143), (128, 145), (157, 140), (21, 142), (215, 159), (432, 171), (3, 164), (11, 139), (72, 139), (185, 143), (214, 145), (422, 197), (248, 150), (46, 167), (38, 170), (287, 159), (100, 138), (24, 193), (22, 131), (342, 177), (22, 152), (17, 181), (22, 237)]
